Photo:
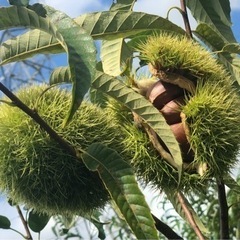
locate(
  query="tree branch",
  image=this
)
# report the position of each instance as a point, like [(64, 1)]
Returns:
[(222, 199), (185, 18), (29, 236)]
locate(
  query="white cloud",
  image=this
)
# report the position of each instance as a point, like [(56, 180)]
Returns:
[(235, 4), (161, 9), (154, 7), (74, 9)]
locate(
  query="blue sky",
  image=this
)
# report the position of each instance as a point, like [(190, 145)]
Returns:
[(74, 8), (236, 23)]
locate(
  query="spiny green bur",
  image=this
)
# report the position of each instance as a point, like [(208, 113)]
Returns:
[(178, 54), (213, 117), (36, 171), (145, 160), (212, 112)]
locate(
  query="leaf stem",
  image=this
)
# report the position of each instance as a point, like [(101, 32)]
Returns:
[(17, 232), (29, 236), (185, 18), (222, 199), (189, 216), (34, 115)]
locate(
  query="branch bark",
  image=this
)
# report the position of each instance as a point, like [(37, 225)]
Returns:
[(185, 18), (222, 199), (29, 236)]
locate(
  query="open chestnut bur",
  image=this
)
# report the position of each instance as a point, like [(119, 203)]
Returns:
[(196, 97)]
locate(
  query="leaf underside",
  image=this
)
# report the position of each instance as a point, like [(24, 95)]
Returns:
[(215, 13), (114, 55), (119, 180), (227, 55), (103, 25)]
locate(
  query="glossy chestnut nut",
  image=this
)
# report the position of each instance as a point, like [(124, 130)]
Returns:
[(167, 97), (180, 135), (172, 110), (161, 93)]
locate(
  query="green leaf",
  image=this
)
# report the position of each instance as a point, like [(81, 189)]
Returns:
[(60, 75), (4, 222), (81, 55), (183, 207), (210, 37), (94, 219), (103, 25), (232, 62), (134, 42), (122, 24), (123, 5), (96, 96), (232, 184), (137, 103), (120, 181), (215, 13), (23, 3), (101, 231), (216, 42), (23, 17), (114, 55), (37, 222), (232, 48), (74, 39), (28, 45)]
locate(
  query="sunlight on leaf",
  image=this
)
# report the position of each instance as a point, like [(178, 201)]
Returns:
[(216, 14), (217, 43), (114, 54)]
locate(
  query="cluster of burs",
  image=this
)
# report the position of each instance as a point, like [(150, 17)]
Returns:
[(190, 89)]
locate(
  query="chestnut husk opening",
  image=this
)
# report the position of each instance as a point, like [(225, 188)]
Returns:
[(168, 98)]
